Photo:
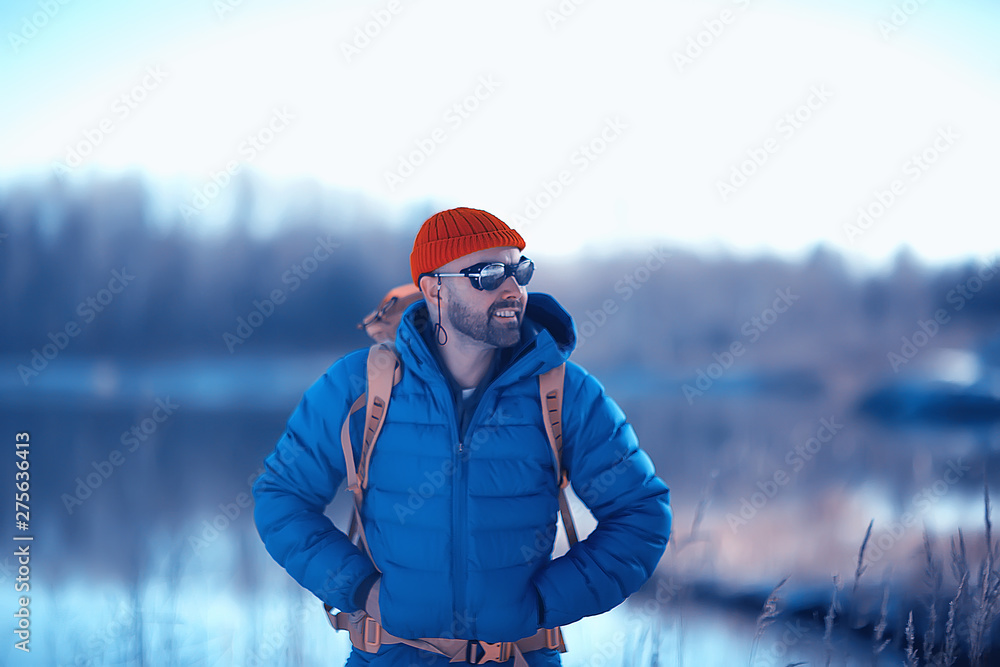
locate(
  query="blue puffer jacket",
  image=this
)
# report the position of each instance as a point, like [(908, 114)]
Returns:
[(463, 531)]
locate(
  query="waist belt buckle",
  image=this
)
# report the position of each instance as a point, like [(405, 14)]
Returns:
[(478, 652), (554, 639), (371, 635)]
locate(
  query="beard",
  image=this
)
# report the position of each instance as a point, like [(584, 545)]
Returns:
[(484, 327)]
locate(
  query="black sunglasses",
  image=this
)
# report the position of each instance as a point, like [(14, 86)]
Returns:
[(488, 276)]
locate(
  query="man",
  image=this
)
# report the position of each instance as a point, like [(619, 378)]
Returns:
[(460, 509)]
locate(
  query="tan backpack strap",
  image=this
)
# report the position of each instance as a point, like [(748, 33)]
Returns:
[(381, 379), (567, 517), (345, 443), (383, 373), (550, 385), (375, 401), (353, 486)]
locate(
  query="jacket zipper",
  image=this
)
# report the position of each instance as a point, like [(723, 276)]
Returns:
[(458, 534), (461, 488), (459, 506), (458, 520)]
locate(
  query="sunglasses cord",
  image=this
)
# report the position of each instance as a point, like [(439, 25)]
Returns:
[(438, 329)]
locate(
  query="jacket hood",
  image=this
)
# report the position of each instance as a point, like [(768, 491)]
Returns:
[(548, 337)]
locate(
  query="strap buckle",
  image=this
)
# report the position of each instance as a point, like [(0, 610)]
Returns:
[(554, 639), (371, 629), (479, 652)]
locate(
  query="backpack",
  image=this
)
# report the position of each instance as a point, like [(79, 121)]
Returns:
[(384, 371), (381, 323)]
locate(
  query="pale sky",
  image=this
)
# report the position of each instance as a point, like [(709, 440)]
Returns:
[(749, 126)]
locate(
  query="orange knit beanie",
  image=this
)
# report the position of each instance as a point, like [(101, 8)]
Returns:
[(458, 231)]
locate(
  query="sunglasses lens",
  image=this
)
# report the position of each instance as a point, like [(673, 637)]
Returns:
[(523, 272), (492, 276)]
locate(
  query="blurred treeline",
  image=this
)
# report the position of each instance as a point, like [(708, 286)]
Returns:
[(191, 285)]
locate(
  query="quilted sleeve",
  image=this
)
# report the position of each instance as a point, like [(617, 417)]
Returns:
[(617, 482), (300, 478)]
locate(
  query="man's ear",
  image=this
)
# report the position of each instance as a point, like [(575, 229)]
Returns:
[(430, 288)]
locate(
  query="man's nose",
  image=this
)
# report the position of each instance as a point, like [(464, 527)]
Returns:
[(510, 287)]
